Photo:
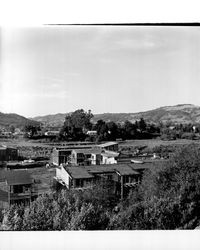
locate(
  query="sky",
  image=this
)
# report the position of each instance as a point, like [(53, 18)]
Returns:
[(58, 69)]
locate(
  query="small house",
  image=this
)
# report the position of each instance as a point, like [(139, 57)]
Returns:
[(16, 187)]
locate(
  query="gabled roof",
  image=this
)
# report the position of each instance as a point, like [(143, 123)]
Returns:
[(16, 177)]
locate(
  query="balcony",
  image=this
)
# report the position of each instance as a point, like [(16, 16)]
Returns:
[(131, 184), (24, 195)]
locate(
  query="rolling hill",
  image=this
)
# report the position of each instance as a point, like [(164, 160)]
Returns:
[(16, 120), (182, 113)]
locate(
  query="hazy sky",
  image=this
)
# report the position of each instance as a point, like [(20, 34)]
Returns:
[(47, 70)]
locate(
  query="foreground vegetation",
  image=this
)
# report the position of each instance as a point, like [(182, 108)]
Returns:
[(168, 198)]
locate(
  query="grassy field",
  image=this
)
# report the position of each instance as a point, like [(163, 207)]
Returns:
[(157, 142), (27, 148), (23, 143), (43, 178)]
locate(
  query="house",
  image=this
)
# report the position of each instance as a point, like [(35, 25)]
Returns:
[(122, 176), (61, 154), (51, 133), (86, 156), (74, 177), (83, 153), (111, 146), (109, 157), (16, 187), (93, 156), (92, 133), (8, 153)]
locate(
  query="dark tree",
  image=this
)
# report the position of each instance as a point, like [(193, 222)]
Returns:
[(76, 125)]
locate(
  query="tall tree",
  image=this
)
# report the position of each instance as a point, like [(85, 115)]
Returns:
[(76, 124)]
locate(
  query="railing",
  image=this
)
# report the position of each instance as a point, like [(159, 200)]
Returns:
[(131, 184), (20, 196)]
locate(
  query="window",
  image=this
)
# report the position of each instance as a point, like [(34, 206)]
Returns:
[(17, 189), (79, 183), (126, 179)]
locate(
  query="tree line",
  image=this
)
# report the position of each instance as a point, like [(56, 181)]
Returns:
[(77, 124), (167, 198)]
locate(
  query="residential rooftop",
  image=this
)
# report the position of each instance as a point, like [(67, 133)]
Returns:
[(108, 153), (123, 169), (88, 151), (15, 177), (107, 144), (78, 173)]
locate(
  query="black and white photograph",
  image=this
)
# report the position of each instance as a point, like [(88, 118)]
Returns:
[(100, 127)]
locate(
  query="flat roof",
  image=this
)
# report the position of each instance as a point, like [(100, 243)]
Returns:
[(110, 153), (75, 147), (106, 144), (88, 151)]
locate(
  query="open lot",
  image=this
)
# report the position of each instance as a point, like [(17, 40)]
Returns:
[(43, 178), (151, 143), (27, 148)]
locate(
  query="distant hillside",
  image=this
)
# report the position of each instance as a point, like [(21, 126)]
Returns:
[(16, 120), (182, 113), (52, 120)]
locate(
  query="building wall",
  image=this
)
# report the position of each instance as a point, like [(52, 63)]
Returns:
[(130, 179), (63, 156), (82, 183), (8, 154), (2, 155), (96, 159), (62, 174), (60, 156), (77, 158), (54, 157), (11, 154), (3, 186), (15, 194), (108, 160), (112, 148), (3, 204)]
